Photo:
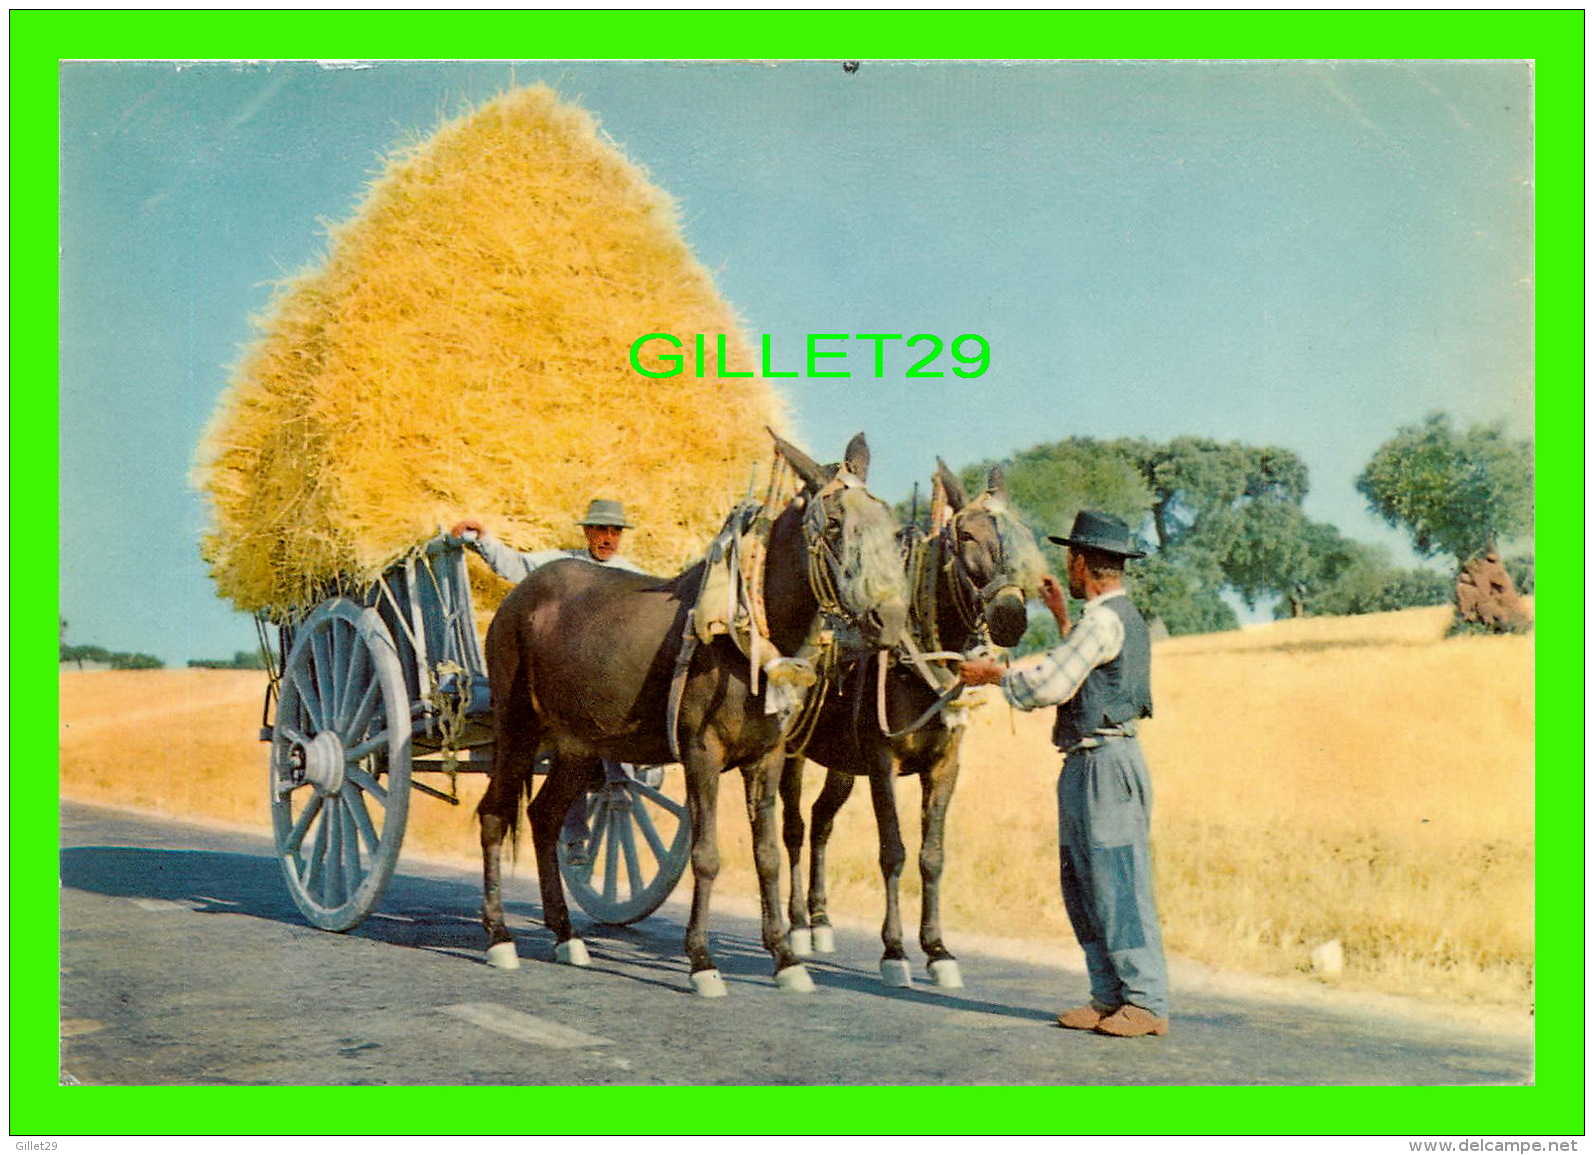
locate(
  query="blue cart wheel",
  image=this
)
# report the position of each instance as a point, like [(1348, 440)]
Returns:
[(340, 764), (639, 842)]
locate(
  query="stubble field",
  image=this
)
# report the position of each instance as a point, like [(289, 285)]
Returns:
[(1364, 780)]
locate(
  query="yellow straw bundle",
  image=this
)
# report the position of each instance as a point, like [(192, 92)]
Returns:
[(464, 350)]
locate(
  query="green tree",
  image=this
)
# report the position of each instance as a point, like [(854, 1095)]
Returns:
[(1182, 587), (1329, 555), (1457, 492), (1193, 478), (1262, 548), (1237, 508), (1343, 576), (85, 654)]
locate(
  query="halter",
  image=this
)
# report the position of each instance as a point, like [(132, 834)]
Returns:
[(928, 559), (825, 570)]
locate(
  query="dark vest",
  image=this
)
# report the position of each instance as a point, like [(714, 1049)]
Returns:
[(1116, 692)]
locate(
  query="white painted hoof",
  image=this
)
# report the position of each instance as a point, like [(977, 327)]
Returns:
[(946, 974), (503, 956), (801, 941), (708, 984), (795, 978), (894, 972), (824, 940), (574, 952)]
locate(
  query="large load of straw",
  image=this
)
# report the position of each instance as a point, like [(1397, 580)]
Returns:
[(463, 349)]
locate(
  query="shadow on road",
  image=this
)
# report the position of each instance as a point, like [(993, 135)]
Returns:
[(417, 912), (441, 917), (437, 914)]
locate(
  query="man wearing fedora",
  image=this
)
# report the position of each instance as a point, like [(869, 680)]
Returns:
[(602, 524), (1099, 678)]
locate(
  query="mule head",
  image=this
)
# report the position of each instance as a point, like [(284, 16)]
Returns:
[(997, 562), (851, 536)]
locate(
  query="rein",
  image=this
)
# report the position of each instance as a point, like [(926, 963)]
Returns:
[(935, 707)]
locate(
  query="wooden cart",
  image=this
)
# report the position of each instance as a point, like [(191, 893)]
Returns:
[(379, 689)]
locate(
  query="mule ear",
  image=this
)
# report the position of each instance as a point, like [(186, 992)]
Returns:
[(857, 457), (807, 468), (951, 486), (996, 482)]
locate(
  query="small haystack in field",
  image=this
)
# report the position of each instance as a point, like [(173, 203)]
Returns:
[(464, 349)]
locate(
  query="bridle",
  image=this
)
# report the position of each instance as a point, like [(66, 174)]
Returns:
[(969, 598), (826, 573), (928, 560), (745, 538)]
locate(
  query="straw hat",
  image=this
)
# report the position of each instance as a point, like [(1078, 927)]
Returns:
[(602, 511)]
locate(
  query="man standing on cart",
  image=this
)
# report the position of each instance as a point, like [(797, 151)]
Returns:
[(603, 524)]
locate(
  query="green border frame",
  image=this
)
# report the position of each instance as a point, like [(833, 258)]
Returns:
[(1553, 38)]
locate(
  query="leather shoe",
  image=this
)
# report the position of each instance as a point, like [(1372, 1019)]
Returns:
[(1084, 1018), (1131, 1022)]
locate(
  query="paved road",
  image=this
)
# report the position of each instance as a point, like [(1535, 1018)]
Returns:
[(184, 962)]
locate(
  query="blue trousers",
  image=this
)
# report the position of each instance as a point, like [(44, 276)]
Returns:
[(1104, 843)]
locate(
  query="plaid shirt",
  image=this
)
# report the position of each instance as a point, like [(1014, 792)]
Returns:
[(1054, 677)]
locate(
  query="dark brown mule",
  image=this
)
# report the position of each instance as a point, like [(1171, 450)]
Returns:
[(582, 660), (976, 571)]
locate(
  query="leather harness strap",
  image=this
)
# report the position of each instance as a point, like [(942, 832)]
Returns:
[(747, 595)]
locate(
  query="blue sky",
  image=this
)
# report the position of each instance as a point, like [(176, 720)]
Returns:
[(1302, 254)]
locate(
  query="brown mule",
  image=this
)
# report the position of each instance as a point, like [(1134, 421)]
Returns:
[(582, 660), (977, 566)]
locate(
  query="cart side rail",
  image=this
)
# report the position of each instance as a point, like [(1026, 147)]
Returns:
[(425, 602)]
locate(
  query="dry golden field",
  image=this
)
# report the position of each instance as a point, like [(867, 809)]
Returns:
[(1360, 779)]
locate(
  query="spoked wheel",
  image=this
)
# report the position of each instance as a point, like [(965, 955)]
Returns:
[(340, 764), (639, 842)]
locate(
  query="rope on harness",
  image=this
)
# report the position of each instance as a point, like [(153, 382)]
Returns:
[(920, 661), (823, 653)]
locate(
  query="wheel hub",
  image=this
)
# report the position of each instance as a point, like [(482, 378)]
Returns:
[(322, 761)]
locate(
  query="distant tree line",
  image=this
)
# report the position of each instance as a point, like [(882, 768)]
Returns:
[(99, 655), (242, 660), (1223, 517)]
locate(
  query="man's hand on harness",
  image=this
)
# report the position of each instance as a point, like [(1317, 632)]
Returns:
[(980, 672)]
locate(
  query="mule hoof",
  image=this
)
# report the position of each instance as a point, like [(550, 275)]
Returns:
[(894, 972), (794, 978), (503, 956), (708, 984), (801, 942), (946, 974), (574, 952), (824, 940)]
